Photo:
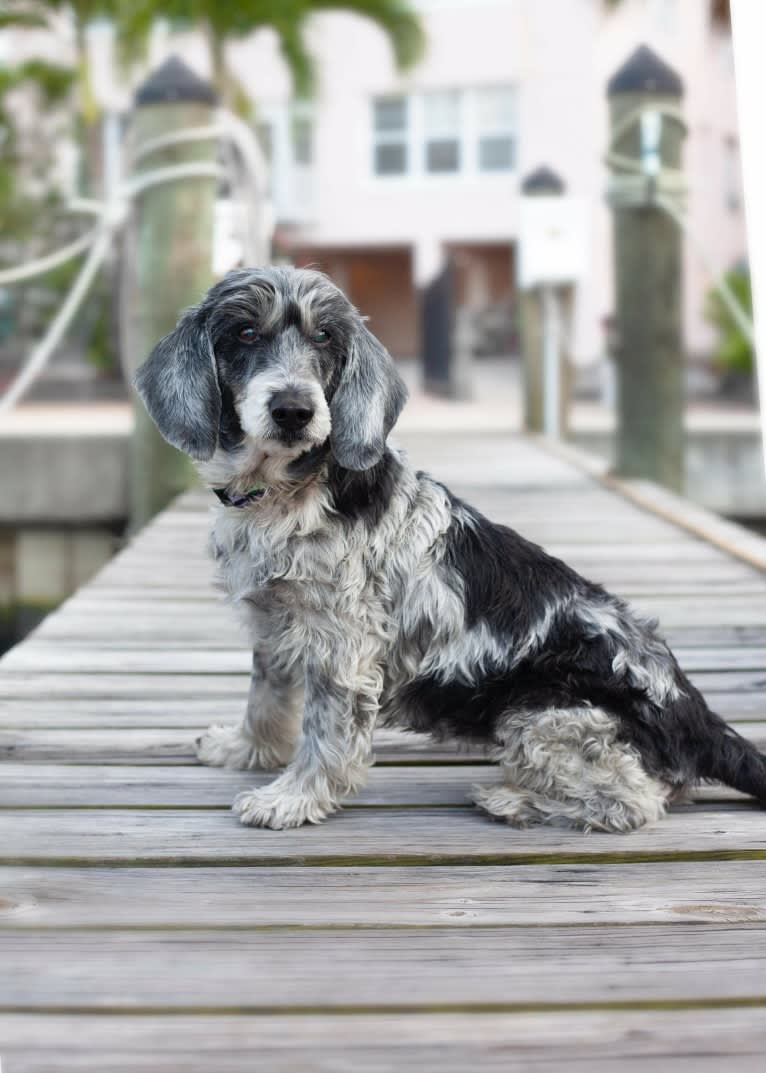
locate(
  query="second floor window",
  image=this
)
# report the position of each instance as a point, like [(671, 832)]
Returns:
[(442, 130), (391, 131), (496, 126), (445, 132)]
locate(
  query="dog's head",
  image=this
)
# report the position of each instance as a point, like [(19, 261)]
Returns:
[(279, 358)]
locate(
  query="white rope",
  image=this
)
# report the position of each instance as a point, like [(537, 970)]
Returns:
[(666, 189), (40, 354), (729, 298), (87, 205), (208, 133), (49, 262), (113, 214), (629, 188), (144, 180), (255, 202)]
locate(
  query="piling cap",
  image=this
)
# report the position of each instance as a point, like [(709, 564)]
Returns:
[(174, 81), (645, 72), (543, 180)]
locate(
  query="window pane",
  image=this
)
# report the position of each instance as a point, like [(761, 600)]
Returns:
[(390, 114), (496, 108), (303, 147), (496, 154), (391, 158), (441, 114), (443, 155)]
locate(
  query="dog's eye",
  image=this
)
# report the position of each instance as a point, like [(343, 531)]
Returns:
[(248, 334), (320, 337)]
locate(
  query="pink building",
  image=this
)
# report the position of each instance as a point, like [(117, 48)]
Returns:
[(382, 172)]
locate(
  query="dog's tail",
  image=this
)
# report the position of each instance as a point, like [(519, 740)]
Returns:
[(725, 756)]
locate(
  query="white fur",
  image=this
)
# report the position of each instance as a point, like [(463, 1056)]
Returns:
[(253, 408)]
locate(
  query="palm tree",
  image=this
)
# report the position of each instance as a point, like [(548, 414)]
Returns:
[(225, 20), (221, 21)]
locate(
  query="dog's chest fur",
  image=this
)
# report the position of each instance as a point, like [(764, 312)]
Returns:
[(274, 557), (312, 577)]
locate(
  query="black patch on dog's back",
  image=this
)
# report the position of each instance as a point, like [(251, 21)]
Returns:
[(504, 576)]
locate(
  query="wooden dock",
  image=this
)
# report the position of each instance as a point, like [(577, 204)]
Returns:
[(143, 929)]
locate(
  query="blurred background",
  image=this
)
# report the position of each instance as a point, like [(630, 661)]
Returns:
[(537, 203)]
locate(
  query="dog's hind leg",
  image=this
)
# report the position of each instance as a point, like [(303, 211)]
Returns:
[(566, 767), (268, 735)]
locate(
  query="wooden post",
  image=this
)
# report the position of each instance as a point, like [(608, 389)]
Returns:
[(167, 262), (539, 306), (648, 264)]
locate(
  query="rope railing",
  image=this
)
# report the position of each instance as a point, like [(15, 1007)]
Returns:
[(247, 173)]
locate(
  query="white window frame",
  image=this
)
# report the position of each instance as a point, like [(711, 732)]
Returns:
[(291, 183), (459, 135), (391, 137), (511, 132), (415, 138)]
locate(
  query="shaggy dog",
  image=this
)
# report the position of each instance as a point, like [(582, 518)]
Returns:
[(372, 594)]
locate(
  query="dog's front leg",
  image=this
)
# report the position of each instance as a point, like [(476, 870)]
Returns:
[(332, 758), (267, 736)]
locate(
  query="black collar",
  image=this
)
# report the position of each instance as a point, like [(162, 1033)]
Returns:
[(240, 499)]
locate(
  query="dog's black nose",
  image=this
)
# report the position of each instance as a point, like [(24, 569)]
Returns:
[(290, 410)]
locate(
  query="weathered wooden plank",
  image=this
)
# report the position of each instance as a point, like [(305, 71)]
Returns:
[(69, 785), (190, 715), (361, 836), (175, 786), (201, 630), (632, 585), (172, 657), (116, 712), (57, 684), (141, 600), (413, 968), (556, 894), (76, 686), (704, 609), (657, 552), (152, 746), (172, 743), (643, 1041), (68, 656), (182, 633), (38, 656), (633, 590)]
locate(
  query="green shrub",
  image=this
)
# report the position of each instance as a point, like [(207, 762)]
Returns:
[(734, 352)]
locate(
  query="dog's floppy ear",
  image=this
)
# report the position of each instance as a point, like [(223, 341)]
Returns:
[(179, 387), (366, 404)]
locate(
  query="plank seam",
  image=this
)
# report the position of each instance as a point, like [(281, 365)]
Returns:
[(711, 1003)]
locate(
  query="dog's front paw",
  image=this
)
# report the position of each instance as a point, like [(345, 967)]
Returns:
[(280, 805), (227, 746)]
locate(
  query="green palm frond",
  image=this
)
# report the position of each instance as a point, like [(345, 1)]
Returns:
[(22, 20), (395, 17), (297, 57), (226, 19)]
